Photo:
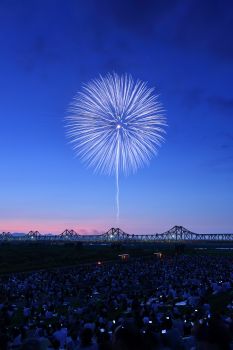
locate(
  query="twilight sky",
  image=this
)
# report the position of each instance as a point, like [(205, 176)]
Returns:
[(182, 48)]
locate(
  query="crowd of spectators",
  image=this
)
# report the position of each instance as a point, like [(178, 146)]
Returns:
[(142, 304)]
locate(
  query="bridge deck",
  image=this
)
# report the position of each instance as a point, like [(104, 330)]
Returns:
[(177, 233)]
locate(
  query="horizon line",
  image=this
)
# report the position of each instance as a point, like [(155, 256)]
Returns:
[(104, 232)]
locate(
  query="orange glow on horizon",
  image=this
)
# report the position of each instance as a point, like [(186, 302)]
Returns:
[(57, 226), (24, 226)]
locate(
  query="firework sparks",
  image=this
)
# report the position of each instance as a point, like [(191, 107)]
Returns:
[(116, 125)]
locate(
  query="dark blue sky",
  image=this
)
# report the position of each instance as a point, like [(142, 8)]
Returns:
[(183, 48)]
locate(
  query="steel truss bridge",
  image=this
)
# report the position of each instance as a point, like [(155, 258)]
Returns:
[(175, 234)]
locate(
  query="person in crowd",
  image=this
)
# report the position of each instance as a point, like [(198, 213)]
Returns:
[(154, 304)]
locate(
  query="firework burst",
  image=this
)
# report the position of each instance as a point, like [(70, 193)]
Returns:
[(116, 125)]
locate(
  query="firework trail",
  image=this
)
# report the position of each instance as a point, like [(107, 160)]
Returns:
[(115, 125)]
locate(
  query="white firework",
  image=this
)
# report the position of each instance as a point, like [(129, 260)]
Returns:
[(116, 125)]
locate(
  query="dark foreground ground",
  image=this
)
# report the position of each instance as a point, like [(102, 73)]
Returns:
[(23, 256)]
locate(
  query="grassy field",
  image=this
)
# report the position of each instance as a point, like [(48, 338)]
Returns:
[(32, 256), (23, 256)]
